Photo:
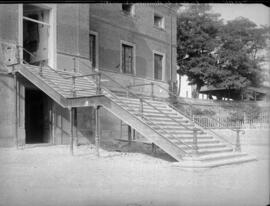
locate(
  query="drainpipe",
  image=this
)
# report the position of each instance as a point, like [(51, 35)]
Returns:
[(171, 48)]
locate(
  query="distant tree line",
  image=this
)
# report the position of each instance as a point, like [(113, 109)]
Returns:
[(224, 55)]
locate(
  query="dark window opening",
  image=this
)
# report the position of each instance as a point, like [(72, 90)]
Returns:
[(127, 9), (35, 34), (158, 21), (158, 59), (127, 59), (92, 43)]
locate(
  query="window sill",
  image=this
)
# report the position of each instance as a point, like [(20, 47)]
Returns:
[(128, 15), (159, 28)]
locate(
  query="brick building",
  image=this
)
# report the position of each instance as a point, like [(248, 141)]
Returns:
[(133, 43), (80, 73)]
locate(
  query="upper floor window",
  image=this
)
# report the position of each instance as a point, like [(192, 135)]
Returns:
[(158, 65), (159, 21), (128, 9), (93, 49), (36, 29), (127, 58)]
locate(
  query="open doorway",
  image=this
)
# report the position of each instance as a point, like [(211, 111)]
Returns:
[(36, 32), (37, 116)]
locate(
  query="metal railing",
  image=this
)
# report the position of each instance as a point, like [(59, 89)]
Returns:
[(97, 75), (237, 130)]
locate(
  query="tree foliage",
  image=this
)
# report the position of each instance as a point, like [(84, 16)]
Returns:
[(211, 52)]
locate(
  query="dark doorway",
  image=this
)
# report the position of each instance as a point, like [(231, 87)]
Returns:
[(37, 118)]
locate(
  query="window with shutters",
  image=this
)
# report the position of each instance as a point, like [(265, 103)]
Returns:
[(127, 58), (92, 50), (158, 66)]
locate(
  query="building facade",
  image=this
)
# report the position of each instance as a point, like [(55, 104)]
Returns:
[(132, 43)]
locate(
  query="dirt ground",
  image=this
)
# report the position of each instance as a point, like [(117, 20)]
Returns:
[(48, 175)]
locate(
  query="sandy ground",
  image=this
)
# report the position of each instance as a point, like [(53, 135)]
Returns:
[(50, 176)]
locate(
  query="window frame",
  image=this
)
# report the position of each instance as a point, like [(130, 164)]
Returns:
[(122, 42), (132, 10), (162, 21), (52, 43), (97, 48), (163, 65)]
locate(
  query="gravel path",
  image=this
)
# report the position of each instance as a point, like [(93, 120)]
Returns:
[(43, 176)]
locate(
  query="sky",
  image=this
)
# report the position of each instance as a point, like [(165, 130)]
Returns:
[(258, 13)]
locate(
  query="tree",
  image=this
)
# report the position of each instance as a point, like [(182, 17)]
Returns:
[(239, 57), (222, 55), (197, 37)]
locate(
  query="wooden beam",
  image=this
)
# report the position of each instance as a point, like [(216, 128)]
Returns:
[(71, 111), (129, 135), (36, 21), (53, 122), (43, 86), (97, 136), (16, 111)]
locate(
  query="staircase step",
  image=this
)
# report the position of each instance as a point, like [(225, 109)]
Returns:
[(216, 163), (230, 161), (163, 118), (145, 105), (185, 137), (205, 146), (203, 141), (214, 150), (218, 156)]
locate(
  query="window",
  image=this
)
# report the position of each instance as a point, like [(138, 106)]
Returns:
[(127, 9), (93, 49), (158, 66), (159, 21), (37, 33), (127, 59)]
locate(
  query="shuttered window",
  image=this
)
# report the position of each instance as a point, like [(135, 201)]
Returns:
[(158, 64), (92, 50), (127, 59)]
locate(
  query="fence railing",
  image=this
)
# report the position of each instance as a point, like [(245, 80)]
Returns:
[(261, 121)]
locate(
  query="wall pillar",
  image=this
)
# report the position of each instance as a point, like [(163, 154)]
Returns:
[(97, 135)]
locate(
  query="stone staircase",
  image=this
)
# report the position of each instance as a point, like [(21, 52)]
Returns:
[(211, 150), (155, 120)]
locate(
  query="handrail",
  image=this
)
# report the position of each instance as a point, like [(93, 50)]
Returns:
[(73, 75), (30, 53), (146, 102), (192, 105), (48, 79), (139, 85), (234, 130), (121, 86), (111, 93), (115, 96)]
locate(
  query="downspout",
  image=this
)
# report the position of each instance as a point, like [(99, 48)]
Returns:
[(171, 51)]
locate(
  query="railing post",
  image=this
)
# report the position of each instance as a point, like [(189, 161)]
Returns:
[(195, 142), (71, 130), (152, 90), (40, 67), (141, 108), (74, 85), (74, 64), (128, 87), (19, 59), (16, 110), (98, 83), (97, 136), (238, 144)]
